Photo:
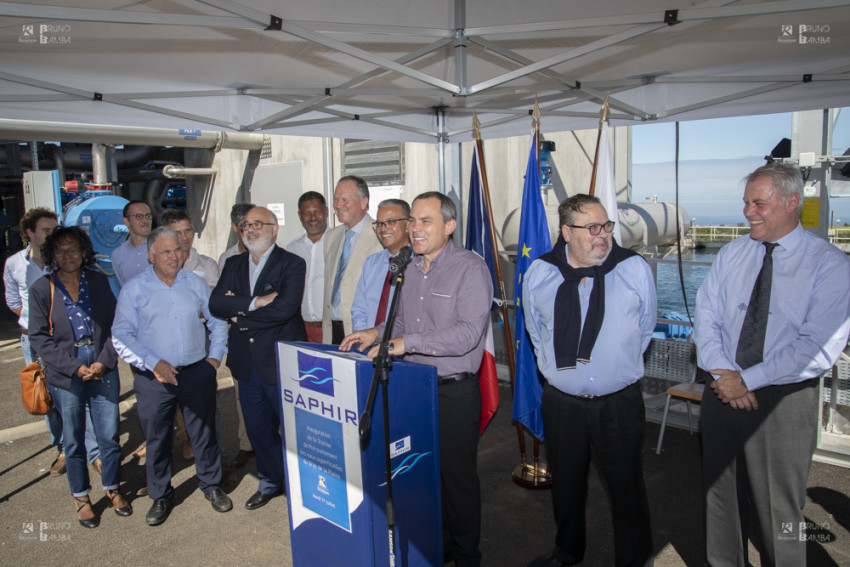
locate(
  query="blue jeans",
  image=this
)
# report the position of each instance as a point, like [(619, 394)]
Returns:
[(53, 418), (101, 396)]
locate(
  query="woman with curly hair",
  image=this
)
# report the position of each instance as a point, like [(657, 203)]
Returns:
[(70, 324)]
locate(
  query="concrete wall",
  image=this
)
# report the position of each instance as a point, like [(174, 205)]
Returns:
[(321, 166)]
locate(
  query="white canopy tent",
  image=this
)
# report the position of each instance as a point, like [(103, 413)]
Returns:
[(414, 70)]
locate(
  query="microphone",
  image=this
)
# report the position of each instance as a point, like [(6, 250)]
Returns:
[(401, 260)]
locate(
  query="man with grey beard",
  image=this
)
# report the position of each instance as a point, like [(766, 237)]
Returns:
[(260, 292)]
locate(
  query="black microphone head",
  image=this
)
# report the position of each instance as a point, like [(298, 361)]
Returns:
[(401, 260)]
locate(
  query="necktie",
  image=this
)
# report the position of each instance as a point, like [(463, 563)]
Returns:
[(381, 316), (340, 267), (751, 342)]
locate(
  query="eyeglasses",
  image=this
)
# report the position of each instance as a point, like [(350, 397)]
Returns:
[(141, 216), (389, 223), (254, 225), (70, 252), (594, 229)]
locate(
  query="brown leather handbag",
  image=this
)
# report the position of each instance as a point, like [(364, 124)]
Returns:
[(34, 392)]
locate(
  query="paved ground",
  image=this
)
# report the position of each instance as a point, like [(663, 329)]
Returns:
[(38, 525)]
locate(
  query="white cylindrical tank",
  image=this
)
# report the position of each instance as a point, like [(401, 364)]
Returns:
[(642, 227)]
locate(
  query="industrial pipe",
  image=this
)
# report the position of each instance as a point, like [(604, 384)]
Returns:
[(178, 172), (97, 133)]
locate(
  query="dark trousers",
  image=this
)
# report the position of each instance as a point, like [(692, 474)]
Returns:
[(755, 468), (612, 427), (459, 414), (157, 404), (261, 409)]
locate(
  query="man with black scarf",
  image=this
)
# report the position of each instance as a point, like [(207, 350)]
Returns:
[(590, 312)]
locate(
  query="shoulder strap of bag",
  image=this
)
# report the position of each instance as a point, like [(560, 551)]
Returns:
[(50, 313)]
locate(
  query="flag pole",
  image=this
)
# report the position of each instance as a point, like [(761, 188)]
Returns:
[(531, 476), (603, 116), (485, 186)]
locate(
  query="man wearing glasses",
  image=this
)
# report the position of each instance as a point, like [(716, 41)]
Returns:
[(590, 312), (260, 293), (375, 290), (131, 258)]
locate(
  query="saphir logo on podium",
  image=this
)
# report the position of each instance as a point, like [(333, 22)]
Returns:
[(315, 373)]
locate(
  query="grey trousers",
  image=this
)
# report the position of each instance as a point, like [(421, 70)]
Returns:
[(755, 468)]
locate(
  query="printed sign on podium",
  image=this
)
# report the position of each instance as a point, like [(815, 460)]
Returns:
[(336, 487)]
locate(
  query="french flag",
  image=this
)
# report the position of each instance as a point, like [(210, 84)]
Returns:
[(478, 240)]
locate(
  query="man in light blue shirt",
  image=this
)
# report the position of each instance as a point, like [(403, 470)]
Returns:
[(759, 417), (131, 257), (391, 228), (158, 329), (590, 309)]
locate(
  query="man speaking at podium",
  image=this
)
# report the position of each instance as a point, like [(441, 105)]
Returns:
[(444, 308)]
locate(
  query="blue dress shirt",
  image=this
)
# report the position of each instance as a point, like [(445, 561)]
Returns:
[(367, 296), (809, 308), (155, 321), (617, 357), (129, 261)]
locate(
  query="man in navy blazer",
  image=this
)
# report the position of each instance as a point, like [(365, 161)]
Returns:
[(260, 291)]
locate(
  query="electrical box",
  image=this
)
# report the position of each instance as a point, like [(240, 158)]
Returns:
[(41, 189)]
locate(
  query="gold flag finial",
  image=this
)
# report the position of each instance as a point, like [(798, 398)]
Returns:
[(605, 110), (476, 125)]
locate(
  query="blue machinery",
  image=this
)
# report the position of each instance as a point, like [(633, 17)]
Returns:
[(99, 213)]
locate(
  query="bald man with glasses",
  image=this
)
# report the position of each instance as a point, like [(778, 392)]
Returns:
[(375, 288)]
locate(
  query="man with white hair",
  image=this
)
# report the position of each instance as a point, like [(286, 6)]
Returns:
[(158, 329), (772, 316), (260, 292)]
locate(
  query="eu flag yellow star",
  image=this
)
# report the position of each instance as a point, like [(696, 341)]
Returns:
[(525, 251)]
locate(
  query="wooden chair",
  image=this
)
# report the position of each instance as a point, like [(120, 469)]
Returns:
[(688, 392)]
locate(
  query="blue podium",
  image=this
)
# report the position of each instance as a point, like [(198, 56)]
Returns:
[(336, 488)]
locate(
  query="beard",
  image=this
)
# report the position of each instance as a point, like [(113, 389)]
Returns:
[(257, 245)]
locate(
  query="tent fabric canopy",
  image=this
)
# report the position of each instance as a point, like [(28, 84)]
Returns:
[(415, 70)]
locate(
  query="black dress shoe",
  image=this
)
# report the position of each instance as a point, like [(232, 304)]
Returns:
[(258, 500), (219, 500), (241, 459), (159, 512), (548, 560)]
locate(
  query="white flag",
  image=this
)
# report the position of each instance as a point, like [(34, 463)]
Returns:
[(606, 187)]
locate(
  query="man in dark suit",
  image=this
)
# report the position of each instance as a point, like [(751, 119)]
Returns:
[(260, 292)]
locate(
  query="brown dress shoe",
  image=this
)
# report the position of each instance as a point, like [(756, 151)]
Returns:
[(187, 450), (58, 466)]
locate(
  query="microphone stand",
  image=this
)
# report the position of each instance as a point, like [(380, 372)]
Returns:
[(383, 363)]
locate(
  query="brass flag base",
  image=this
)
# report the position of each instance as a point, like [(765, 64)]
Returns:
[(532, 477)]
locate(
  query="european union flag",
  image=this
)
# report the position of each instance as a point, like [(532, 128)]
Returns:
[(534, 240)]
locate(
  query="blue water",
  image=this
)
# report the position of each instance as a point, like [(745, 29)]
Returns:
[(669, 287)]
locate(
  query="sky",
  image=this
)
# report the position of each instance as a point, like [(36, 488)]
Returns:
[(714, 156)]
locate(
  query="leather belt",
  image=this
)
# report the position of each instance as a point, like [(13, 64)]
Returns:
[(87, 341), (337, 323), (24, 331), (591, 397), (316, 324), (459, 377), (188, 366)]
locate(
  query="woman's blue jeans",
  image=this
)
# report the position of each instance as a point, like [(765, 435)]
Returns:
[(102, 398)]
